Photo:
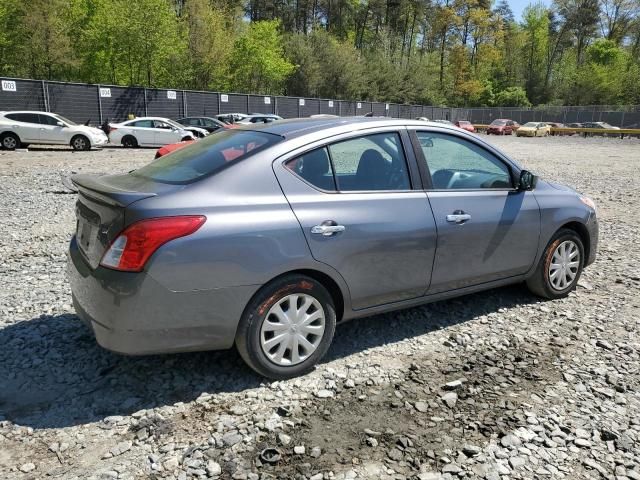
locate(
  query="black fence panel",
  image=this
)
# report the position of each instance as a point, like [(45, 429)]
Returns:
[(78, 102), (233, 103), (21, 95), (612, 118), (329, 107), (165, 103), (287, 107), (631, 120), (346, 109), (379, 109), (311, 107), (201, 104), (393, 111), (118, 103), (260, 104)]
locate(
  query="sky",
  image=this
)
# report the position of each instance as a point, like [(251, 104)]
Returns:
[(518, 6)]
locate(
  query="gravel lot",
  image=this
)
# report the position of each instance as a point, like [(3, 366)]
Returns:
[(493, 385)]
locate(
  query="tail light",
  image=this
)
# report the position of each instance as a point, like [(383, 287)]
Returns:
[(131, 249)]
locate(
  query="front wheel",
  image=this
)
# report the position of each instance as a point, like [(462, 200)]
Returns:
[(80, 142), (287, 327), (10, 141), (560, 267)]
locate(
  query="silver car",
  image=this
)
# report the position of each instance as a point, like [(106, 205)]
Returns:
[(267, 236)]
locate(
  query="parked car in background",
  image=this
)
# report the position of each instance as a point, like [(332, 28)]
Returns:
[(422, 119), (260, 118), (231, 117), (534, 129), (553, 125), (574, 125), (444, 122), (255, 236), (206, 123), (502, 126), (465, 125), (602, 125), (22, 128), (148, 132), (172, 147)]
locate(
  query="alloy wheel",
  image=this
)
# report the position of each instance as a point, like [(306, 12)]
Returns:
[(292, 330), (565, 264)]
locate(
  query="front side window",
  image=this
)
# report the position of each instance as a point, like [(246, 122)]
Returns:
[(48, 120), (163, 125), (372, 162), (207, 156), (456, 163)]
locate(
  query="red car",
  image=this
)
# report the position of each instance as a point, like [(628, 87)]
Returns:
[(172, 147), (502, 126), (465, 125)]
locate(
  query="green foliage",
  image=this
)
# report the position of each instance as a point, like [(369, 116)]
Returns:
[(453, 52), (257, 63), (512, 97)]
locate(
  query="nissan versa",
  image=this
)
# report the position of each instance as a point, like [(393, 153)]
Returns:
[(267, 235)]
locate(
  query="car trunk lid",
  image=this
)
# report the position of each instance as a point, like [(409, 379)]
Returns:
[(101, 207)]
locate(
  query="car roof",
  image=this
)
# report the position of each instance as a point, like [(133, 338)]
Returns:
[(297, 127), (29, 111)]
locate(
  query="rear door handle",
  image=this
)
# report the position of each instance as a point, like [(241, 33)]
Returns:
[(327, 229), (458, 217)]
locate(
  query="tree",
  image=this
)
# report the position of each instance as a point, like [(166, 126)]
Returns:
[(536, 28), (512, 97), (257, 63)]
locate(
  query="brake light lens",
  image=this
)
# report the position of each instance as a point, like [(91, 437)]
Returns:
[(131, 250)]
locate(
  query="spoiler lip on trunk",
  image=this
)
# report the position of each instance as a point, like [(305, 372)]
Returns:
[(100, 188)]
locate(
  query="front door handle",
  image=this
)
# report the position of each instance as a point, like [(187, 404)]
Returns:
[(458, 217), (328, 228)]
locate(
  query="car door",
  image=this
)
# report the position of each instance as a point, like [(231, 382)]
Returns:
[(354, 201), (487, 230), (50, 131), (143, 131), (164, 133), (27, 126)]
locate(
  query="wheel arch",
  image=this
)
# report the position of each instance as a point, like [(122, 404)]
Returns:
[(582, 232), (76, 135)]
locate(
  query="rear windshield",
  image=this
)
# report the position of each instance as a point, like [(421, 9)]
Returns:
[(499, 122), (207, 156)]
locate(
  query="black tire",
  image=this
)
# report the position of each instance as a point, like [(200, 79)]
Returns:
[(129, 141), (186, 139), (9, 141), (248, 336), (80, 143), (539, 283)]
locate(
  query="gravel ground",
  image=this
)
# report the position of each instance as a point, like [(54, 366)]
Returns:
[(494, 385)]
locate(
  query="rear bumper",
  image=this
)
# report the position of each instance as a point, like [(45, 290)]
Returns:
[(133, 314)]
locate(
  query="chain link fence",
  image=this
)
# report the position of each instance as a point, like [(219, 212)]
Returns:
[(95, 104)]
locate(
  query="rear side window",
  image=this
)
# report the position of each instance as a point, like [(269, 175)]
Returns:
[(315, 168), (373, 162), (142, 124), (23, 117), (207, 156)]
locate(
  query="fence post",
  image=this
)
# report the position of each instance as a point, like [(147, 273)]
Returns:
[(219, 112), (184, 104), (275, 105), (247, 103), (146, 114), (622, 120), (45, 96), (99, 104)]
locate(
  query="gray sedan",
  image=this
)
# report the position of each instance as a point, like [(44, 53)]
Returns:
[(267, 236)]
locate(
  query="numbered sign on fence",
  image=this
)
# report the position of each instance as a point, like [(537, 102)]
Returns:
[(330, 103), (301, 102), (171, 94), (105, 92), (386, 106), (359, 105), (9, 86), (224, 98)]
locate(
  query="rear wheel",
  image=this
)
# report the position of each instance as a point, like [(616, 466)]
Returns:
[(129, 141), (9, 140), (287, 327), (80, 142), (560, 267)]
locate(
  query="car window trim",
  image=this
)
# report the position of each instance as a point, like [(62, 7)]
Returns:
[(326, 142), (423, 164)]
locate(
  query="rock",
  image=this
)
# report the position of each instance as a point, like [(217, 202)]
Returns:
[(471, 450), (517, 462), (27, 467), (120, 448), (372, 442), (171, 463), (582, 443), (284, 439), (604, 344), (315, 452), (510, 441), (421, 406), (213, 468), (394, 454), (451, 468), (452, 385), (299, 449), (324, 394), (231, 438), (450, 399)]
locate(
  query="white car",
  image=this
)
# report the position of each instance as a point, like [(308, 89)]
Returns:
[(21, 128), (148, 132)]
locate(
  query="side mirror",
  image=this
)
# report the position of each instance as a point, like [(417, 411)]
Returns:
[(527, 181), (60, 124)]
